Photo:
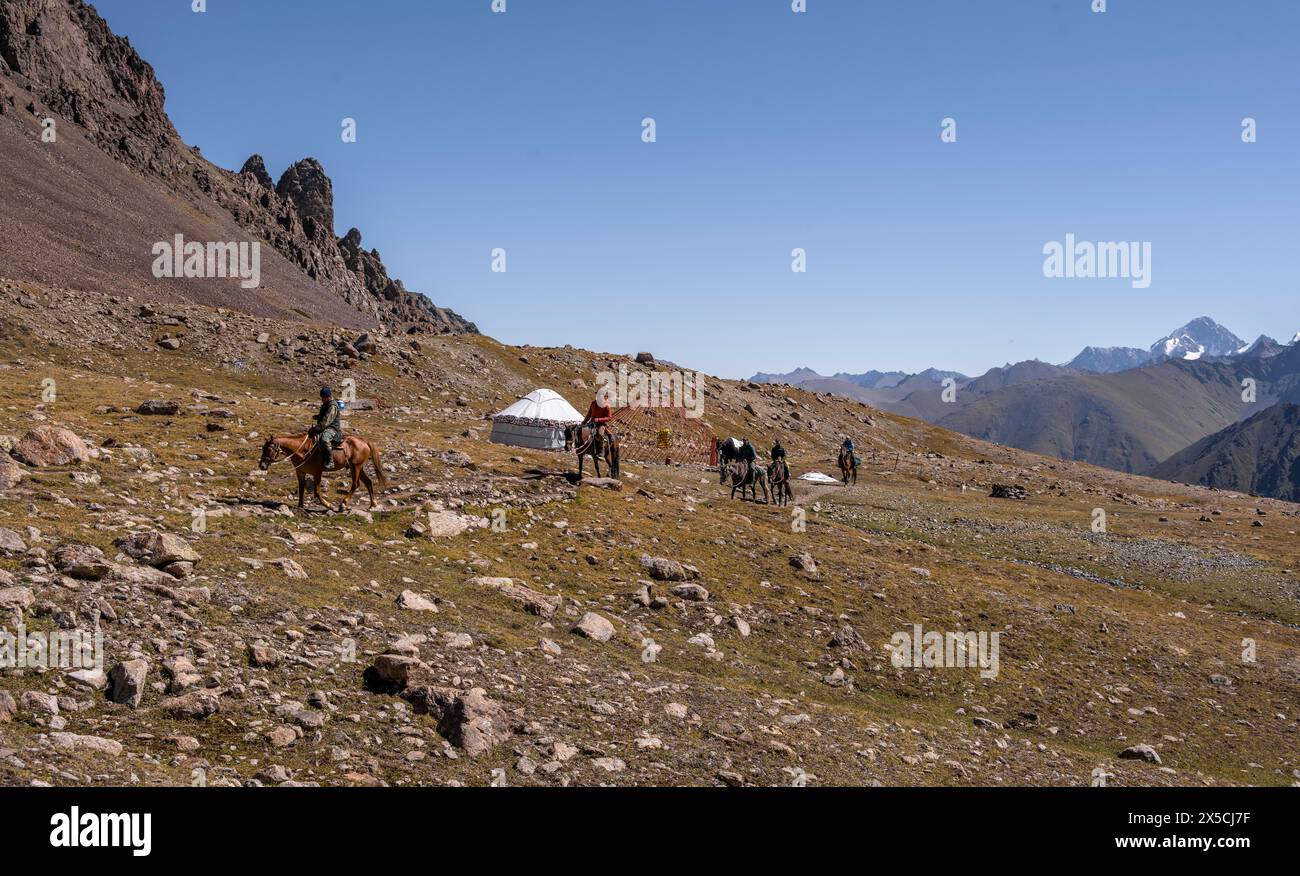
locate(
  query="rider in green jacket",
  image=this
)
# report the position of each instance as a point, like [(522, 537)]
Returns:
[(329, 427)]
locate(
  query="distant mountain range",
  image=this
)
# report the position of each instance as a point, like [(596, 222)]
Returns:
[(1174, 410), (1260, 455)]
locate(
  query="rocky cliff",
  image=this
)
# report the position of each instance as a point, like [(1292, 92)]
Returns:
[(61, 60)]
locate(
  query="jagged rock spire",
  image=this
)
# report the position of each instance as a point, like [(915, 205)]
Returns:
[(256, 168)]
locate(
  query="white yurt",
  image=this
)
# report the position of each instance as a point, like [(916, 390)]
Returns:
[(537, 420)]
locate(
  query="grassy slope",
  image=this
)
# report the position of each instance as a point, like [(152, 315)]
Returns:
[(1143, 678)]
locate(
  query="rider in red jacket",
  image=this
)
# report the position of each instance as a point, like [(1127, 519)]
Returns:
[(598, 414)]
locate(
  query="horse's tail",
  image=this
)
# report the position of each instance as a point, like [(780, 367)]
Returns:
[(379, 471)]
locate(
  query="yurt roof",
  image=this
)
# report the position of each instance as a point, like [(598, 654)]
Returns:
[(542, 404)]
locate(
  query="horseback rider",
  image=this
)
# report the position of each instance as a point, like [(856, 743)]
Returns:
[(778, 455), (598, 414), (847, 447), (748, 455), (328, 430)]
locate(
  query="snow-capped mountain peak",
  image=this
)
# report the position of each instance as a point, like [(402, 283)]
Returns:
[(1200, 337)]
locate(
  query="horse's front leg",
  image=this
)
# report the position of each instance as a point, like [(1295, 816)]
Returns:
[(595, 460), (316, 488), (302, 488)]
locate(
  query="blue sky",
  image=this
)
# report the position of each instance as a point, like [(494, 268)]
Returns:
[(776, 130)]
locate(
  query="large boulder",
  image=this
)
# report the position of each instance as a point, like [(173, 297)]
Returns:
[(126, 682), (157, 549), (467, 719), (82, 561), (91, 744), (394, 673), (444, 524), (603, 483), (530, 600), (593, 626), (1009, 491), (691, 592), (50, 445), (156, 407), (10, 473), (664, 569), (195, 705), (20, 598), (1141, 751), (412, 601), (11, 542), (804, 563)]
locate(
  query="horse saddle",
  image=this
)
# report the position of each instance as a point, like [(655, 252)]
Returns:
[(335, 457)]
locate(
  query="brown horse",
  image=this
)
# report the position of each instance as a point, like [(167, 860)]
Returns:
[(848, 467), (301, 451), (778, 478), (741, 479), (586, 441)]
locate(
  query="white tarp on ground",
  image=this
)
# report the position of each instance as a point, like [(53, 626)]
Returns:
[(537, 420), (817, 478)]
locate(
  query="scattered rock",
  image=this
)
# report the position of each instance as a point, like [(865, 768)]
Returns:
[(96, 744), (11, 542), (412, 601), (1140, 752), (593, 626), (603, 483), (664, 569), (532, 602), (467, 719), (691, 592), (195, 705), (609, 764), (1009, 491), (158, 408), (126, 682), (20, 598), (50, 445), (156, 548), (81, 561), (804, 563), (11, 474)]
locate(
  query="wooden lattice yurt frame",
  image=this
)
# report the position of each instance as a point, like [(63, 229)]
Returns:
[(664, 435)]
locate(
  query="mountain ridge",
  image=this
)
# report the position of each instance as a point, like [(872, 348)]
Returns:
[(59, 60), (1260, 456)]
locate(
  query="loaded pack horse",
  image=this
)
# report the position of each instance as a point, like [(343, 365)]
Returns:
[(741, 478), (728, 450)]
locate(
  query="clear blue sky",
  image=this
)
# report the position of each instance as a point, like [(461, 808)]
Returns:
[(776, 130)]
